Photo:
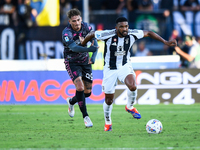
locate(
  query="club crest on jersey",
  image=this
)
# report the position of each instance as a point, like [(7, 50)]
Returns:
[(98, 35), (66, 39), (120, 51), (114, 40), (114, 44)]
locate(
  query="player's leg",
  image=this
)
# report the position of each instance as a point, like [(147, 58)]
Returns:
[(108, 87), (127, 76), (107, 107), (87, 93), (87, 82), (132, 95), (74, 73)]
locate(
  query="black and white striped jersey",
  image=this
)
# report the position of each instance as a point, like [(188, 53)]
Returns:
[(117, 50)]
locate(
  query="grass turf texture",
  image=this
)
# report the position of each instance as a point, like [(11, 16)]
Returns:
[(49, 126)]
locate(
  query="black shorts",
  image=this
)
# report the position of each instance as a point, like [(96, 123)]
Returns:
[(76, 70)]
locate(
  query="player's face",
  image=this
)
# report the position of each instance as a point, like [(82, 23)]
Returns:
[(122, 29), (75, 22), (189, 43)]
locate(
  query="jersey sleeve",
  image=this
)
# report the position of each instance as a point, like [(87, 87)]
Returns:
[(193, 51), (105, 34), (67, 37), (137, 33)]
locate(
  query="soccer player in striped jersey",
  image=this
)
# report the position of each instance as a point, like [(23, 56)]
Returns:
[(117, 65)]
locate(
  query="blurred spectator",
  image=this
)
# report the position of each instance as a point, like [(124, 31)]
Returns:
[(25, 13), (156, 5), (190, 5), (167, 6), (174, 35), (145, 5), (77, 4), (193, 57), (65, 6), (8, 7), (116, 5), (95, 5), (142, 50), (132, 5), (176, 4)]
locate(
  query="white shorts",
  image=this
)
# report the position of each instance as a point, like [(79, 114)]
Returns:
[(110, 77)]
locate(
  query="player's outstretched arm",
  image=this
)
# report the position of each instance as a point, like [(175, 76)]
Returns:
[(76, 48), (155, 36), (88, 37)]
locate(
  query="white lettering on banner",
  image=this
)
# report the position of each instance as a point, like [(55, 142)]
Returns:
[(49, 46), (174, 78), (187, 24), (59, 49), (185, 97), (150, 97), (122, 99), (197, 25), (37, 47), (164, 80), (7, 43), (44, 50), (28, 50), (4, 19), (154, 80), (188, 77)]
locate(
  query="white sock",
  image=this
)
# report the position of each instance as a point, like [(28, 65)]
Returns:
[(132, 95), (107, 112)]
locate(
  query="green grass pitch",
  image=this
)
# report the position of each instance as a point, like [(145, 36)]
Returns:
[(50, 127)]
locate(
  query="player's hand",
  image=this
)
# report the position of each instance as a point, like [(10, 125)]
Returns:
[(90, 62), (92, 44), (171, 43)]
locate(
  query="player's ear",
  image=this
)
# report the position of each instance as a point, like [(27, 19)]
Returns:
[(69, 21)]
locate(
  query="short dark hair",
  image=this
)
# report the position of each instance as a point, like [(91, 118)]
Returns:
[(188, 38), (121, 19), (73, 12)]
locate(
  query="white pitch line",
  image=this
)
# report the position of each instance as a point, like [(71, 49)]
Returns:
[(150, 86), (143, 148)]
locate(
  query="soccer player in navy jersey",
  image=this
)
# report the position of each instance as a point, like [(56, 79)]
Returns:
[(117, 65), (78, 63)]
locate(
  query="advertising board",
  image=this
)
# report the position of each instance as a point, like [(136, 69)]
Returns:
[(177, 86)]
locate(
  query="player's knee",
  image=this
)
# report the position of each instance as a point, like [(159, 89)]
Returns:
[(132, 88), (87, 94), (80, 88), (108, 101)]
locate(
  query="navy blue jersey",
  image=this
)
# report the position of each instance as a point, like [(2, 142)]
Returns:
[(69, 36)]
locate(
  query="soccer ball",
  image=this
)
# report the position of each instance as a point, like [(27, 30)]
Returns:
[(154, 126)]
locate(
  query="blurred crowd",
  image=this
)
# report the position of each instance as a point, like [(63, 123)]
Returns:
[(21, 14), (21, 11)]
